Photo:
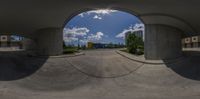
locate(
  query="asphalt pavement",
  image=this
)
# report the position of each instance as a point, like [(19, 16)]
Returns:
[(98, 74)]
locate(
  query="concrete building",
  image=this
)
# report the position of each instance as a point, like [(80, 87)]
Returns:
[(9, 41), (137, 33), (5, 40), (165, 22), (92, 45), (191, 42), (187, 42), (89, 45)]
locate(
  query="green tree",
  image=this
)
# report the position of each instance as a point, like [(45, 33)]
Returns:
[(133, 43), (64, 46), (110, 45)]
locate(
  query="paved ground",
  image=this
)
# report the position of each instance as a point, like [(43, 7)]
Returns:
[(104, 64), (100, 74)]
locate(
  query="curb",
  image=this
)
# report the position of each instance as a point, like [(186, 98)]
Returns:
[(62, 56), (149, 62)]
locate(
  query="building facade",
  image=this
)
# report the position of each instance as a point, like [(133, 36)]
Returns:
[(191, 42), (9, 41), (91, 45), (138, 33)]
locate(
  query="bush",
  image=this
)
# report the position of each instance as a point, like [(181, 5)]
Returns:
[(69, 49), (134, 44)]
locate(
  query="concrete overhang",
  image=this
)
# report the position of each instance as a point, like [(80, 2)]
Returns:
[(27, 16)]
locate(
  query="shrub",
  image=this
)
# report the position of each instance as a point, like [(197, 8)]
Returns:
[(134, 44)]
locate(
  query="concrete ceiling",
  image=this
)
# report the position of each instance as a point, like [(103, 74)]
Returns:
[(27, 16)]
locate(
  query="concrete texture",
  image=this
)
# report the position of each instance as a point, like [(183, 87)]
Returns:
[(49, 41), (37, 15), (142, 59), (16, 65), (111, 64), (162, 42), (58, 79), (34, 15), (29, 44)]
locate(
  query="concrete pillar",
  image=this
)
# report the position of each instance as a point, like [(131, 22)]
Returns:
[(49, 41), (28, 44), (162, 42)]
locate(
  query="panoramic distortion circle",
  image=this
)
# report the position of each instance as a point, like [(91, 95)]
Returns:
[(99, 34)]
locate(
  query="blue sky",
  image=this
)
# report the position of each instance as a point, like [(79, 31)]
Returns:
[(100, 26), (16, 38)]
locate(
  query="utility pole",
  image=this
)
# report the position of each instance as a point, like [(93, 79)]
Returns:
[(78, 43)]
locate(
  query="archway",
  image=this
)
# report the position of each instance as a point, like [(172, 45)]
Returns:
[(17, 57), (99, 34), (92, 27)]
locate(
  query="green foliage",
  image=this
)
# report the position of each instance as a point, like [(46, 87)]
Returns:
[(135, 44), (69, 49)]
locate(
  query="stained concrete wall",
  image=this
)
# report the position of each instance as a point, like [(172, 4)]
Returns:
[(49, 41), (29, 44), (162, 42)]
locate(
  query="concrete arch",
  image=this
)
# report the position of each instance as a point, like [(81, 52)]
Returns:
[(169, 20), (81, 10), (19, 34), (160, 28), (146, 18)]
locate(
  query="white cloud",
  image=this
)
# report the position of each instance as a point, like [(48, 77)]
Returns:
[(97, 17), (102, 11), (84, 41), (76, 31), (137, 27), (81, 15), (122, 34), (95, 37), (73, 34), (98, 13), (70, 39)]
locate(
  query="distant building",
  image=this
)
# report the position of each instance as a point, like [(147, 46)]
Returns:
[(191, 42), (138, 33), (89, 45), (5, 40), (99, 45), (92, 45), (9, 41)]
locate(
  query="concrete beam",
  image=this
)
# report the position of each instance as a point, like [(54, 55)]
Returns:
[(49, 41), (162, 42)]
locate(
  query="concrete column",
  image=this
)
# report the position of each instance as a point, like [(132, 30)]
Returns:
[(28, 44), (49, 41), (162, 42)]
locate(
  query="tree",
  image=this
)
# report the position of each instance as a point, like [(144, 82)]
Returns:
[(64, 44), (133, 43), (110, 45)]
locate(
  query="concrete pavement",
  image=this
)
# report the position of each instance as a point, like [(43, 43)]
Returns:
[(104, 63), (70, 78)]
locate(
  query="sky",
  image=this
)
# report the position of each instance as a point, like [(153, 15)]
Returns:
[(100, 26), (16, 38)]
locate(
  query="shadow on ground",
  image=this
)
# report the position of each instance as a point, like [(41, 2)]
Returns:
[(57, 75), (16, 65), (41, 73), (189, 67)]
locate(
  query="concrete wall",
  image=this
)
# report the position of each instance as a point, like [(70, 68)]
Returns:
[(49, 41), (29, 44), (162, 42)]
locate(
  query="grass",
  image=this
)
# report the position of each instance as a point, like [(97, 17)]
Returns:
[(124, 50), (70, 50), (138, 53)]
